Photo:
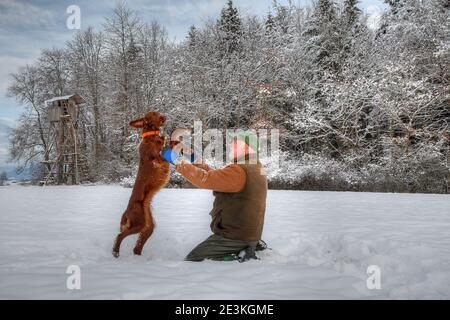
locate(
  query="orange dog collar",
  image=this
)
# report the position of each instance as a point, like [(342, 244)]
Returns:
[(150, 133)]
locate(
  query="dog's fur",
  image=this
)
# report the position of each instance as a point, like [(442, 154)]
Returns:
[(152, 175)]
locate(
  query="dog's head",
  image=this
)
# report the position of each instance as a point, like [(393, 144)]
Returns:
[(150, 122)]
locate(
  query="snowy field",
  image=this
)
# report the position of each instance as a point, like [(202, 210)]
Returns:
[(322, 244)]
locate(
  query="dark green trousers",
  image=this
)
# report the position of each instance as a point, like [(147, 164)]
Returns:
[(216, 247)]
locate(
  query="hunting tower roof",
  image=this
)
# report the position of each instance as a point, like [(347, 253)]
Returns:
[(75, 97)]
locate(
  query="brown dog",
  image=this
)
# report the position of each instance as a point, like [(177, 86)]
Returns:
[(152, 175)]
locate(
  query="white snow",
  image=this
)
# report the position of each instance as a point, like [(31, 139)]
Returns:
[(322, 244)]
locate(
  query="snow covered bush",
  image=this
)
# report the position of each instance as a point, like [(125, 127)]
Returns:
[(310, 172), (413, 172)]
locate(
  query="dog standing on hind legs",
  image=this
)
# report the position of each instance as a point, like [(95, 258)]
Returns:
[(153, 174)]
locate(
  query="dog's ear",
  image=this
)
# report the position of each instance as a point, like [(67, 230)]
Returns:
[(138, 123), (162, 121)]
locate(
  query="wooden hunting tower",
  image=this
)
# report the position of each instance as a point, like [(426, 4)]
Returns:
[(64, 159)]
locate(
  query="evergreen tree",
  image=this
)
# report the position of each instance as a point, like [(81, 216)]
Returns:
[(351, 13), (350, 27), (282, 19), (323, 36), (270, 24), (445, 4), (394, 5), (326, 11), (192, 36), (231, 28)]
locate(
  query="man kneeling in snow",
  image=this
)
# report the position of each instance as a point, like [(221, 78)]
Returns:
[(240, 191)]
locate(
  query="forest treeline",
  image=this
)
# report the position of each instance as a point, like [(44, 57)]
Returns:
[(358, 108)]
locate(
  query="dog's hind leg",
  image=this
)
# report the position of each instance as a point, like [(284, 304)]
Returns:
[(125, 233), (147, 231), (143, 237)]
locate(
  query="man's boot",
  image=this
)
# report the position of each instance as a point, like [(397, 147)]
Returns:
[(247, 254)]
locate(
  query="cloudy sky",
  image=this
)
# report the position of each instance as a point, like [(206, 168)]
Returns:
[(27, 26)]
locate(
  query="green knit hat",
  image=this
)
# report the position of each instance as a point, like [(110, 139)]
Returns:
[(249, 137)]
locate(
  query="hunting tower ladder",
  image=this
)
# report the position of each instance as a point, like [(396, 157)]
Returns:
[(65, 160)]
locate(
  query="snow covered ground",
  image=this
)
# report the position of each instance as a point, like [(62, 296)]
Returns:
[(322, 244)]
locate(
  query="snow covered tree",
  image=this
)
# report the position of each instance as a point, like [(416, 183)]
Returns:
[(86, 54), (29, 141), (351, 13), (230, 28), (394, 5), (323, 37), (270, 24), (54, 70), (121, 31), (192, 36)]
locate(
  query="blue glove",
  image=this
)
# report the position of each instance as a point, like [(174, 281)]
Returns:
[(173, 157), (169, 155)]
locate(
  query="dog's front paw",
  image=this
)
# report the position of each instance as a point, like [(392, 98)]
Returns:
[(115, 254)]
